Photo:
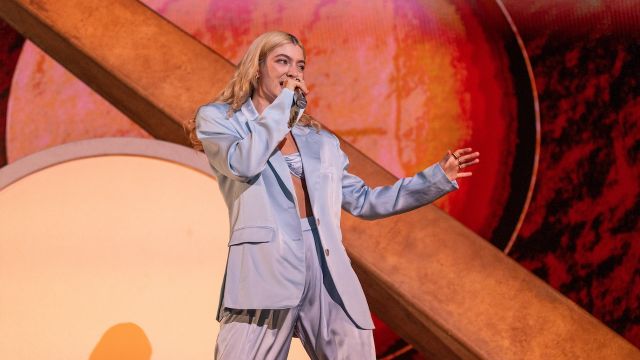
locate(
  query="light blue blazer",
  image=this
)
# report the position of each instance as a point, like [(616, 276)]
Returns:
[(265, 265)]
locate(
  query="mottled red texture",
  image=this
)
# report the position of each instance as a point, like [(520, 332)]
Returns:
[(581, 231), (10, 46), (492, 106)]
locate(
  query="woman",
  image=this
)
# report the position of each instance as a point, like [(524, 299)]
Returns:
[(287, 272)]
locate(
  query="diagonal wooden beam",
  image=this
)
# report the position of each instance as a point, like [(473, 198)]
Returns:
[(128, 54), (436, 283)]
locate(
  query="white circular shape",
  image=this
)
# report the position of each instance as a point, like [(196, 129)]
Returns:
[(131, 234)]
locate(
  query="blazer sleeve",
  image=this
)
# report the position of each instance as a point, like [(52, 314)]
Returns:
[(404, 195), (238, 156)]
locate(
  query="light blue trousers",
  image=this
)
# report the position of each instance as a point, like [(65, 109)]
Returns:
[(324, 328)]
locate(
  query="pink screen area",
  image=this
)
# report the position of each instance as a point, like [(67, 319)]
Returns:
[(404, 82)]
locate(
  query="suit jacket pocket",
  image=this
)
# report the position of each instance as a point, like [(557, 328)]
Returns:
[(252, 234)]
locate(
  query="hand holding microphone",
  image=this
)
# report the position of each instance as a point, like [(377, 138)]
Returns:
[(299, 89)]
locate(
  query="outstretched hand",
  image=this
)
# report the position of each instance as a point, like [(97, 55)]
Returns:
[(454, 162)]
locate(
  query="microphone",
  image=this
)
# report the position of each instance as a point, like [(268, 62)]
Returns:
[(299, 99), (297, 107)]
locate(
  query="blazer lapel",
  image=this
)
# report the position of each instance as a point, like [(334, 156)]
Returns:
[(310, 154), (279, 167)]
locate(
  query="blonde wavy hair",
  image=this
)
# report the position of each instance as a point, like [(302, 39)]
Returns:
[(245, 81)]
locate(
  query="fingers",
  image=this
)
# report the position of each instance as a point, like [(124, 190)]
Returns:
[(292, 83), (303, 87), (462, 158), (470, 157), (460, 152), (464, 164)]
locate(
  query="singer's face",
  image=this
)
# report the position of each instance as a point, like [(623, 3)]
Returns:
[(285, 60)]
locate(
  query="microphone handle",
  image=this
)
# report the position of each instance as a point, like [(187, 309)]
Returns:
[(299, 99)]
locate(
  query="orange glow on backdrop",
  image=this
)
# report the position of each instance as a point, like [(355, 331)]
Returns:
[(406, 82)]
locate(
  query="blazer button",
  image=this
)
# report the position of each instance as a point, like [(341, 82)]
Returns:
[(326, 252), (318, 221)]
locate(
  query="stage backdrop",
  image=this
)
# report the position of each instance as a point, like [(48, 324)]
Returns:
[(411, 79)]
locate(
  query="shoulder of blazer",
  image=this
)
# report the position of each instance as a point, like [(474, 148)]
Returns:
[(331, 137), (213, 111), (213, 117), (324, 135)]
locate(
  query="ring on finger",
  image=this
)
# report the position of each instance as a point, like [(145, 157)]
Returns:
[(455, 156)]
